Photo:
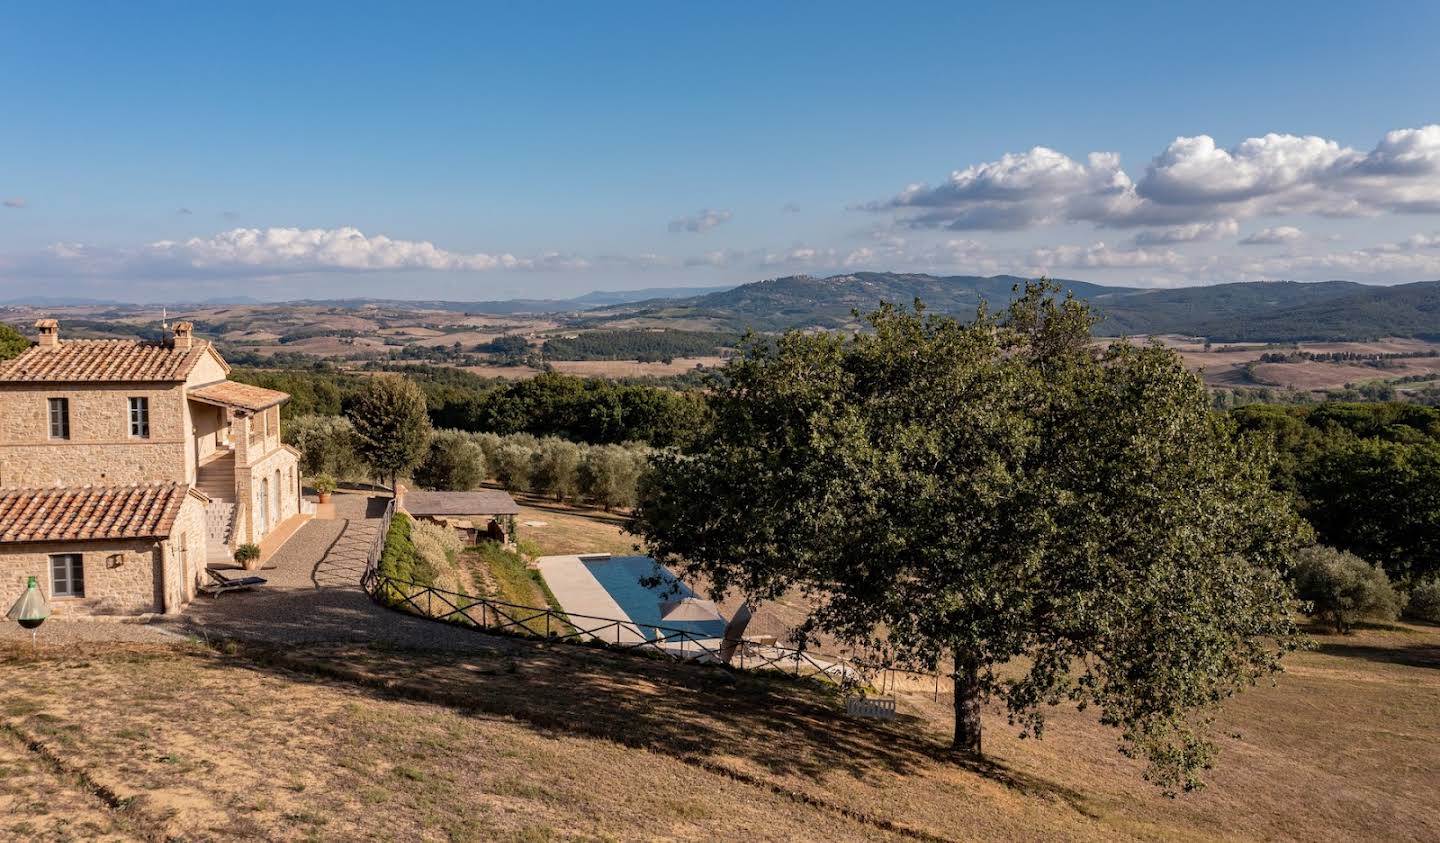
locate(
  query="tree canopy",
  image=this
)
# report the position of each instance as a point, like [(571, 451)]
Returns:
[(453, 462), (392, 431), (1056, 523), (12, 342)]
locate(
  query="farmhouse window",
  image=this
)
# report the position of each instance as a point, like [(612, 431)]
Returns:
[(140, 417), (67, 575), (59, 418)]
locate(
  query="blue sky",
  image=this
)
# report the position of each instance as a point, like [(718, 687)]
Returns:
[(157, 152)]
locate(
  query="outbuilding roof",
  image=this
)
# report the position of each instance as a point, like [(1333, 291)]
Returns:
[(479, 502), (241, 396), (96, 361), (82, 513)]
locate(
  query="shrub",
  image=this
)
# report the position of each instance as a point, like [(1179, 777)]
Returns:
[(397, 560), (1341, 587), (1424, 602), (323, 483), (437, 549), (453, 462), (247, 553)]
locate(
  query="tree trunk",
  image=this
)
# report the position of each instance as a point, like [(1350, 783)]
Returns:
[(967, 705)]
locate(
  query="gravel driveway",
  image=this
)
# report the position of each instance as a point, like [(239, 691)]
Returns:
[(314, 595)]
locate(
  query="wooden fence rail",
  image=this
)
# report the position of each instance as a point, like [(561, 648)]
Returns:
[(483, 613)]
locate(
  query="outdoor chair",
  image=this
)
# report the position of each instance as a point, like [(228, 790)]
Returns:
[(223, 583)]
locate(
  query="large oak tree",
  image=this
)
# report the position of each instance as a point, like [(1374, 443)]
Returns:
[(1049, 521)]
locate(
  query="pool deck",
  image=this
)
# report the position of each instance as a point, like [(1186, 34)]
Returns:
[(580, 593)]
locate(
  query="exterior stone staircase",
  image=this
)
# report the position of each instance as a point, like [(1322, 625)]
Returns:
[(217, 480)]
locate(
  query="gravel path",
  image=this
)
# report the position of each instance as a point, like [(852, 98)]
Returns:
[(314, 595)]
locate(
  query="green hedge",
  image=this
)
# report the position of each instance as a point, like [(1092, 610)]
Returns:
[(400, 561)]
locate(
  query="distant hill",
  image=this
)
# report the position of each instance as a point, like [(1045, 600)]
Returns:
[(803, 301), (509, 307), (1280, 311), (601, 298)]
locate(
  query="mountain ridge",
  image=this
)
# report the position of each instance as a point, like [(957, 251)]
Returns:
[(1260, 311)]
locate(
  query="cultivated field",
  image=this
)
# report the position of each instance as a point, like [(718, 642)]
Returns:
[(1228, 365)]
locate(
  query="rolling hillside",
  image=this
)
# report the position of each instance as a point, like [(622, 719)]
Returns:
[(1282, 311)]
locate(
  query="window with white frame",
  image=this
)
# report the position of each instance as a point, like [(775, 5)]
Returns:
[(67, 575), (140, 417), (59, 418)]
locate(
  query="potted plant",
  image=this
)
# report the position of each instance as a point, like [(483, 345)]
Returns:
[(324, 485), (248, 555)]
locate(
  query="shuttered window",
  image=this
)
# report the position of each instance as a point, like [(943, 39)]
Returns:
[(67, 575), (59, 418)]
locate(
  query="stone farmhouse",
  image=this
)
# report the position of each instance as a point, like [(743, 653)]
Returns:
[(126, 467)]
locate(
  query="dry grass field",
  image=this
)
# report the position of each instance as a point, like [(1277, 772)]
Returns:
[(632, 368), (554, 529), (541, 742), (1225, 364)]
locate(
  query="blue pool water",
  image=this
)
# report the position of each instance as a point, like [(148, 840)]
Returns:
[(621, 575)]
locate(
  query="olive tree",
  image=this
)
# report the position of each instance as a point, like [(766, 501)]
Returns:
[(453, 462), (392, 430), (512, 466), (610, 475), (326, 445), (1341, 587), (556, 469), (1053, 522)]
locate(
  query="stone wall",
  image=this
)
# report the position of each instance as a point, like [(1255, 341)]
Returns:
[(100, 449), (184, 555), (284, 492), (121, 577)]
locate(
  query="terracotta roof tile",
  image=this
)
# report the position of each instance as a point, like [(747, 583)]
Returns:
[(479, 502), (78, 513), (240, 395), (95, 361)]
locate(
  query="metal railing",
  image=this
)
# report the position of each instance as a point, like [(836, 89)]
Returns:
[(497, 616), (377, 549)]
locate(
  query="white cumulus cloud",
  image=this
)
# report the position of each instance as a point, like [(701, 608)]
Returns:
[(1193, 180), (303, 249), (1189, 233), (1272, 236)]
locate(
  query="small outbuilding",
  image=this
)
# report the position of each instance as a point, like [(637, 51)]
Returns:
[(481, 515)]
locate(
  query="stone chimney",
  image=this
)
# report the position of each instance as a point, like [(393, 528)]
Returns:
[(184, 335), (49, 333)]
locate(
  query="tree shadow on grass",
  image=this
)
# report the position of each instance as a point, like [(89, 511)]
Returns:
[(782, 732), (1414, 655)]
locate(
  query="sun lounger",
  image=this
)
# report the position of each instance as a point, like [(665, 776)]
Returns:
[(223, 583)]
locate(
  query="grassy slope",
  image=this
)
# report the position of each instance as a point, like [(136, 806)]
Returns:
[(537, 742)]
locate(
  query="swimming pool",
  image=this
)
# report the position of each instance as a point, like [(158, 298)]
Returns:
[(620, 576)]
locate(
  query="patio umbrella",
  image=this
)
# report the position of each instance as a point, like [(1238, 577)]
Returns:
[(689, 609)]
